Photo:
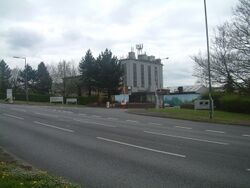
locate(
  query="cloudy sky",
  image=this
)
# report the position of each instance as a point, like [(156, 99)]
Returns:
[(53, 30)]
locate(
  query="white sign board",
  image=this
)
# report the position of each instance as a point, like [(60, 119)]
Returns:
[(71, 100), (9, 95), (201, 104), (56, 99)]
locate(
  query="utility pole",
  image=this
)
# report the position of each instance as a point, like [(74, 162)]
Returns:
[(26, 77), (209, 71), (64, 84)]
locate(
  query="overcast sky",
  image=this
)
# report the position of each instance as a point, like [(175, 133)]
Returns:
[(53, 30)]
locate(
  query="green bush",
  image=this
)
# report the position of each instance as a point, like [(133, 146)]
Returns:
[(83, 100), (32, 97), (2, 95), (230, 102), (235, 103)]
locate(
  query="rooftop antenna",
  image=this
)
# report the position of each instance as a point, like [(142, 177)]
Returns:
[(139, 48)]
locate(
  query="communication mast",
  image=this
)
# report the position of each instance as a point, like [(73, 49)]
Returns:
[(139, 48)]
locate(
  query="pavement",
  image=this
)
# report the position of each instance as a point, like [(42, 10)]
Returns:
[(99, 147)]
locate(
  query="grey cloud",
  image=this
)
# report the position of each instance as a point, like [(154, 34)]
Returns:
[(18, 38)]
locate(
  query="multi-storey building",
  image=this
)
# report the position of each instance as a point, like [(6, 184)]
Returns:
[(142, 74)]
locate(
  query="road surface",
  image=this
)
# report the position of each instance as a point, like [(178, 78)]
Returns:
[(110, 148)]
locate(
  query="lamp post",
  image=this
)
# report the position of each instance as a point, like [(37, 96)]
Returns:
[(26, 84), (156, 87), (208, 61)]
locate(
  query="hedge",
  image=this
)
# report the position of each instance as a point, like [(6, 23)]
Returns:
[(231, 102), (32, 97), (83, 100)]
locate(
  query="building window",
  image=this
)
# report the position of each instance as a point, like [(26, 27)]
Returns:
[(124, 67), (134, 75), (149, 76), (156, 77), (142, 76)]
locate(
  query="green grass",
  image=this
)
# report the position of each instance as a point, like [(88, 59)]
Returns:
[(203, 115), (13, 174)]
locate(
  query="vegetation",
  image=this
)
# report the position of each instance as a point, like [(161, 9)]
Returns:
[(202, 115), (15, 175), (231, 102), (230, 53), (5, 74), (103, 74)]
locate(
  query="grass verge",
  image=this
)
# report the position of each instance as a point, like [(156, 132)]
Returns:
[(198, 115), (14, 174)]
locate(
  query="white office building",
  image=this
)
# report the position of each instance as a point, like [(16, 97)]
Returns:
[(142, 74)]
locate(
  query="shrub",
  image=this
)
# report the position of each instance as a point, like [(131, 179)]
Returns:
[(2, 95), (230, 102), (83, 100), (235, 103), (32, 97)]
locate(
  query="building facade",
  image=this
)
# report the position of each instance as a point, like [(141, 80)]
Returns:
[(142, 74)]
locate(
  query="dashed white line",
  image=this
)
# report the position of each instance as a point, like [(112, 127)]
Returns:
[(247, 135), (55, 127), (91, 122), (187, 138), (181, 127), (96, 116), (9, 115), (248, 169), (132, 121), (44, 114), (214, 131), (154, 123), (17, 109), (112, 118), (82, 114), (141, 147)]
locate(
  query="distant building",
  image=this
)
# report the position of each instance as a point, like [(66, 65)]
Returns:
[(142, 74), (184, 94)]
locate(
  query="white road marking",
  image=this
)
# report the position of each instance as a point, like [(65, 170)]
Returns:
[(141, 147), (214, 131), (69, 112), (248, 169), (112, 118), (96, 116), (82, 114), (44, 114), (181, 127), (132, 121), (91, 122), (187, 138), (9, 115), (55, 127), (247, 135), (154, 123), (17, 109)]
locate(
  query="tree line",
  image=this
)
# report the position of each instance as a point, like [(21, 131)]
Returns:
[(101, 74), (230, 53)]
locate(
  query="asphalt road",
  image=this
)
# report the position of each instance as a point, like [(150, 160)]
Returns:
[(111, 148)]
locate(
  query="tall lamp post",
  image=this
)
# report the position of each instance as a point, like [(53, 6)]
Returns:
[(26, 82), (209, 71), (156, 87)]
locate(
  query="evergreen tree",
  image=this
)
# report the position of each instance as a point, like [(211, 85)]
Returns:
[(110, 73), (43, 80), (5, 74), (89, 71), (31, 77)]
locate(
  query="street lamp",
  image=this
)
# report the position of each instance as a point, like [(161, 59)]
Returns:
[(156, 94), (26, 84), (209, 71)]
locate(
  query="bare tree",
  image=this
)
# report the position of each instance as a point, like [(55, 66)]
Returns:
[(59, 73), (230, 52)]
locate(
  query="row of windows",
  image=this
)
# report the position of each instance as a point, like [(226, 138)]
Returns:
[(143, 76)]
